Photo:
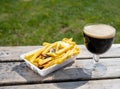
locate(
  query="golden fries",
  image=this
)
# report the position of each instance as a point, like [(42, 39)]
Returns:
[(55, 53)]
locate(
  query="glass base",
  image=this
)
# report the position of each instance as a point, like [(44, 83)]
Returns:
[(97, 69)]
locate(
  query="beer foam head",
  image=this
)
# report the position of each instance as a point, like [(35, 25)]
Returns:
[(99, 31)]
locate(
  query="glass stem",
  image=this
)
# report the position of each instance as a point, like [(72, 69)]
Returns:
[(96, 58)]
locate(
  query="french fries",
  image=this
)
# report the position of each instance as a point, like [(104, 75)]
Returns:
[(53, 53)]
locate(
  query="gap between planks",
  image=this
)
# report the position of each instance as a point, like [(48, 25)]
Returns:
[(96, 84), (48, 82), (14, 60)]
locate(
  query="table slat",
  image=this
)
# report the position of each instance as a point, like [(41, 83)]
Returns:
[(96, 84), (17, 72), (13, 53), (114, 51)]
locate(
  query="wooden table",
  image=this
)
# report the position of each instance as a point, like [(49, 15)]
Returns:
[(14, 74)]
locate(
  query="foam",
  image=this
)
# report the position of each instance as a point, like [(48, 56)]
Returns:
[(99, 31)]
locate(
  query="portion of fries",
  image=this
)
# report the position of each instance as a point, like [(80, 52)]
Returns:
[(53, 53)]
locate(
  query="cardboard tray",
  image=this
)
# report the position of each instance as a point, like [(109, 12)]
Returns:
[(44, 72)]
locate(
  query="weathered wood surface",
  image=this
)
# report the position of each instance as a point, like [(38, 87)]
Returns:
[(17, 72), (114, 51), (13, 53), (95, 84), (13, 71)]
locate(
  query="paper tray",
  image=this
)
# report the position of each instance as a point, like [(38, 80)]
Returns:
[(44, 72)]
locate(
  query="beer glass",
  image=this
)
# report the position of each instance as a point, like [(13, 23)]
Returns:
[(98, 38)]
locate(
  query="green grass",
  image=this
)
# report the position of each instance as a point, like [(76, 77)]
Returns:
[(31, 22)]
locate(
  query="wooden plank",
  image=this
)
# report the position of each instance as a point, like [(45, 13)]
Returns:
[(13, 53), (96, 84), (17, 72), (114, 51)]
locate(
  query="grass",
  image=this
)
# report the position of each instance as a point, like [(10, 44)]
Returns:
[(31, 22)]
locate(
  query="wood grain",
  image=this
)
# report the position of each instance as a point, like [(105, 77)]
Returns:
[(114, 51), (17, 72), (95, 84), (13, 53)]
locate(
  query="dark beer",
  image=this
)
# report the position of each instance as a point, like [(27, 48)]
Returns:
[(98, 38)]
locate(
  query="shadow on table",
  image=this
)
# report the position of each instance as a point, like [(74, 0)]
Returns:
[(70, 85), (26, 73), (65, 77), (70, 78)]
